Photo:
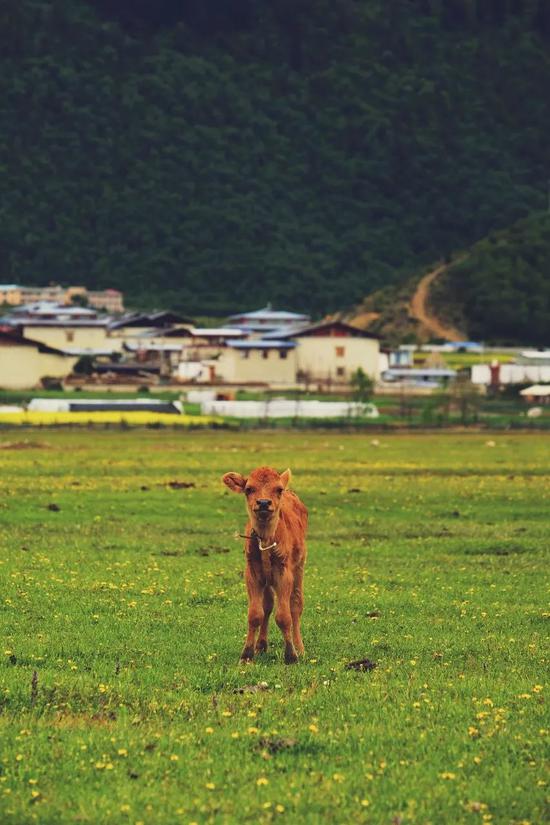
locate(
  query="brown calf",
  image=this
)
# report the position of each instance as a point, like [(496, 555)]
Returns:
[(275, 553)]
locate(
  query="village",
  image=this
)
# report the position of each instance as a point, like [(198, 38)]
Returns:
[(75, 339)]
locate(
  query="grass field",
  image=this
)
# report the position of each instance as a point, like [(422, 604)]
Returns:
[(123, 614)]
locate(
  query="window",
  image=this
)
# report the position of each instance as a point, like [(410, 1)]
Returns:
[(340, 352), (69, 335), (340, 372), (265, 353), (283, 353)]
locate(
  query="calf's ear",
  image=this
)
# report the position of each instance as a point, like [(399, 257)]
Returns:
[(235, 482), (285, 478)]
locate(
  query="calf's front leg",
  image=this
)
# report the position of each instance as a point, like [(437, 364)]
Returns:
[(261, 644), (255, 614), (283, 617)]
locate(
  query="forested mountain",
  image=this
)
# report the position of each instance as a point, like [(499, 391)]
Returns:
[(498, 291), (501, 290), (216, 155)]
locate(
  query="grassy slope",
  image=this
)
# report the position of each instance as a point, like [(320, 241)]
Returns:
[(129, 604)]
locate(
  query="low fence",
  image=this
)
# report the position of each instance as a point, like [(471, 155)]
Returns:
[(288, 408)]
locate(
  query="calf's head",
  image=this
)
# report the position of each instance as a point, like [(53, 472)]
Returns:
[(263, 490)]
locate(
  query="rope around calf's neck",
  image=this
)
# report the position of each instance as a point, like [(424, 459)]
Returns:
[(256, 536)]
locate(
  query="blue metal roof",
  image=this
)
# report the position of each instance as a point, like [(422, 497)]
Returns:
[(261, 344)]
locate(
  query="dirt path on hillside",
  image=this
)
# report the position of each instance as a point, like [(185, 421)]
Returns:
[(418, 308)]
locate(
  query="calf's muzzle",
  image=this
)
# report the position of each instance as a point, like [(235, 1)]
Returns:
[(263, 504)]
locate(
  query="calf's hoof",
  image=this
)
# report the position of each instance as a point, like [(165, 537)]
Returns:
[(261, 646), (247, 655), (291, 656)]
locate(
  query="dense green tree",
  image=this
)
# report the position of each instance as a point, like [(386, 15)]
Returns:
[(216, 155)]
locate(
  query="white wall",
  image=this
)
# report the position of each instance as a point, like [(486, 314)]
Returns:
[(21, 368), (318, 355), (236, 366), (287, 408), (511, 374)]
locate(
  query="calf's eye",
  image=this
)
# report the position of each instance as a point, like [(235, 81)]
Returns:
[(279, 490), (248, 491)]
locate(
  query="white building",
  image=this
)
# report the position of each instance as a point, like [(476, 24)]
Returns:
[(509, 374), (256, 362), (62, 327), (537, 394), (331, 351), (534, 358), (24, 362)]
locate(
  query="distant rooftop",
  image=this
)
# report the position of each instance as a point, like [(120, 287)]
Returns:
[(535, 354), (413, 372), (161, 319), (298, 330), (267, 315), (259, 343), (26, 321), (52, 308), (217, 332), (536, 389)]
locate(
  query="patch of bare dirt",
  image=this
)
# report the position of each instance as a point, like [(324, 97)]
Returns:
[(24, 445), (419, 309)]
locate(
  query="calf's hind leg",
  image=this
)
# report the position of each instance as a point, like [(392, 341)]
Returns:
[(296, 609)]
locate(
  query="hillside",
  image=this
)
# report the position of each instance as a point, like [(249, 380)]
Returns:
[(498, 291), (215, 156), (501, 290)]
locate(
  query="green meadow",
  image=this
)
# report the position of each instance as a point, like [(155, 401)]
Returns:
[(123, 611)]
